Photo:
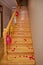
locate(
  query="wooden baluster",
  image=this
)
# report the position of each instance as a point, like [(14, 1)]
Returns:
[(4, 36)]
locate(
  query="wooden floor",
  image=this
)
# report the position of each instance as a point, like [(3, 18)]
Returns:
[(21, 50)]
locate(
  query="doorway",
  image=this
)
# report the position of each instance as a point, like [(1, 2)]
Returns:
[(1, 21), (24, 3)]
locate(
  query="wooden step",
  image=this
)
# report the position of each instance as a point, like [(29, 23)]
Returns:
[(22, 40), (24, 30), (21, 60), (21, 44), (22, 33), (18, 60), (20, 50), (18, 26), (15, 26), (25, 44)]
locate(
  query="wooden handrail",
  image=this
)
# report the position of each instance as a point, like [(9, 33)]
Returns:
[(6, 30), (10, 21)]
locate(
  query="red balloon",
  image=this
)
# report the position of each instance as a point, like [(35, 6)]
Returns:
[(8, 39), (17, 13)]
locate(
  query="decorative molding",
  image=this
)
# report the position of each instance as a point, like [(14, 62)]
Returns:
[(5, 3)]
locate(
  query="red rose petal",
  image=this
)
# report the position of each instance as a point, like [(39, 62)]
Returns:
[(19, 56), (12, 50), (14, 57), (33, 58), (25, 39), (26, 56), (15, 41), (23, 56)]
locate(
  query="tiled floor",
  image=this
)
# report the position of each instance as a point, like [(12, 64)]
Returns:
[(21, 50)]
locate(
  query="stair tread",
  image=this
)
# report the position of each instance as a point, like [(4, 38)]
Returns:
[(22, 40), (22, 59), (20, 50)]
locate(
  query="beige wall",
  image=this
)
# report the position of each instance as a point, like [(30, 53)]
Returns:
[(36, 18), (6, 15)]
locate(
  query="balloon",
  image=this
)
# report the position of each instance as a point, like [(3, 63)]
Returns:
[(8, 39), (17, 13)]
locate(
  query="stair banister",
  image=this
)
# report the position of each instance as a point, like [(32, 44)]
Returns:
[(5, 31)]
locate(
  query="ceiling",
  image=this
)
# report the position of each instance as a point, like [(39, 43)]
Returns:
[(9, 3)]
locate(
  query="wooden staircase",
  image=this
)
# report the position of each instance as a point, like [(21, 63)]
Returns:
[(21, 52)]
